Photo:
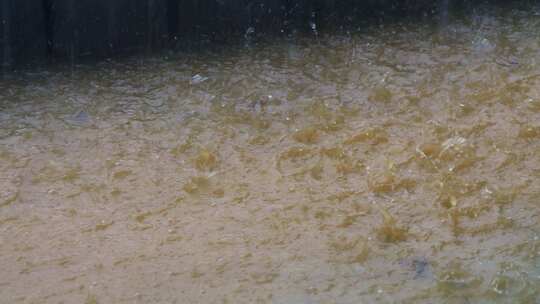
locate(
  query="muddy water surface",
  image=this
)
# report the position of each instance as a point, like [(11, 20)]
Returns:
[(396, 164)]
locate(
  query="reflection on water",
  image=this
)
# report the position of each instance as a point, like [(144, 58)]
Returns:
[(396, 164)]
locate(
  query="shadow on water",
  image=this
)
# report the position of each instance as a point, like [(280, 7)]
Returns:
[(75, 31)]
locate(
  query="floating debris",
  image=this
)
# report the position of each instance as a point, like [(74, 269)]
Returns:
[(198, 79)]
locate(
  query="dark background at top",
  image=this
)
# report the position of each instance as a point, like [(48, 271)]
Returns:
[(34, 31)]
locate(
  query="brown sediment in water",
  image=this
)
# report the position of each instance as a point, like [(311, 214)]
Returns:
[(389, 165)]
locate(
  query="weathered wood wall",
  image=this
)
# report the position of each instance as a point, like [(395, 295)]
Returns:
[(69, 29)]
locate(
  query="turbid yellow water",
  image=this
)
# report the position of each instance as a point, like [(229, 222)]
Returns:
[(396, 164)]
